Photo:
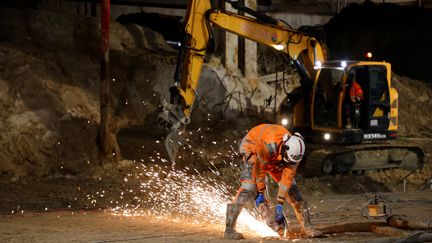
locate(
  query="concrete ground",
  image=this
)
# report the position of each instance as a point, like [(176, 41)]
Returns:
[(105, 226)]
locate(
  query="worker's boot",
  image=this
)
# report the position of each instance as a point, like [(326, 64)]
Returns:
[(233, 211), (302, 213)]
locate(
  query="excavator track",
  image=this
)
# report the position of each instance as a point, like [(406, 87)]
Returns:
[(322, 160)]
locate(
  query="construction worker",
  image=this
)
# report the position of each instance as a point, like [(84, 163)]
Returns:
[(356, 92), (356, 96), (271, 149)]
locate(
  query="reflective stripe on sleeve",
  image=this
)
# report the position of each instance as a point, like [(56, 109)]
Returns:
[(272, 149), (248, 186)]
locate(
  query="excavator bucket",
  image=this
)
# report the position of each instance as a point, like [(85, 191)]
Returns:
[(172, 119), (173, 142)]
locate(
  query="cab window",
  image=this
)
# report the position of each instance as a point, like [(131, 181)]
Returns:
[(326, 97)]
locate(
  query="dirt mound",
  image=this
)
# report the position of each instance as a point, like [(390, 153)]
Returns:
[(415, 112), (397, 34), (415, 107), (50, 89), (44, 117)]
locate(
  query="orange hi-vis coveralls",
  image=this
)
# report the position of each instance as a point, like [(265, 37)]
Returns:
[(261, 151), (356, 91)]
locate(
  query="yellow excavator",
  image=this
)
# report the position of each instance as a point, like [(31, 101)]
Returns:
[(319, 108)]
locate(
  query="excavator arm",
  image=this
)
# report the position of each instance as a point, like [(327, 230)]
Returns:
[(201, 17)]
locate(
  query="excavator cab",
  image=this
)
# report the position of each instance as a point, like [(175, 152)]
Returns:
[(332, 110), (340, 148)]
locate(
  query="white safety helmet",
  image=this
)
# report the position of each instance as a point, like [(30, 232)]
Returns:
[(293, 147)]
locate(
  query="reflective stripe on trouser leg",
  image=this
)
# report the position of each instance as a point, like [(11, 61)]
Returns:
[(246, 178), (243, 196), (247, 191)]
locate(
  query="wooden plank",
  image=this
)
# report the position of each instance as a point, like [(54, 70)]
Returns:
[(382, 229), (404, 222), (348, 227)]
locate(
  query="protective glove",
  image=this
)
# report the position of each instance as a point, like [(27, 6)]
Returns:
[(259, 199), (279, 216)]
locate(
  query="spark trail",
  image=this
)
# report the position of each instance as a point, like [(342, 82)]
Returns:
[(167, 193)]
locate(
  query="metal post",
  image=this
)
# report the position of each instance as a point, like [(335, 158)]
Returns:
[(104, 76), (275, 99)]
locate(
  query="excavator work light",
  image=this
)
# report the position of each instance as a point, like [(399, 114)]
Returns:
[(278, 47), (343, 64), (327, 136), (318, 65)]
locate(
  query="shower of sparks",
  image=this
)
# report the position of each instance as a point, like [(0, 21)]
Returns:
[(169, 194)]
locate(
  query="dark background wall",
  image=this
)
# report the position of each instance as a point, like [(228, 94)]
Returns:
[(400, 35)]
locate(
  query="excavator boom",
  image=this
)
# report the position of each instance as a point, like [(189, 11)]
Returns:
[(200, 20)]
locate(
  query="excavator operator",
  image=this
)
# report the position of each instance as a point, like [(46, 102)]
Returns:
[(272, 149), (352, 102), (356, 96), (356, 92)]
